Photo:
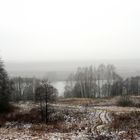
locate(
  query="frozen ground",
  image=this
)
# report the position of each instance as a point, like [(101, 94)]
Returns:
[(79, 123)]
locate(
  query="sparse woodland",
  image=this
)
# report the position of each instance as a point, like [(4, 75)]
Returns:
[(93, 106), (92, 82)]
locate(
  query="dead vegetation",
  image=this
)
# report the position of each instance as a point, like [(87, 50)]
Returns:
[(72, 122), (88, 101), (124, 121)]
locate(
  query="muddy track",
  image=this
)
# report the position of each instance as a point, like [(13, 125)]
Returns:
[(98, 122), (99, 118)]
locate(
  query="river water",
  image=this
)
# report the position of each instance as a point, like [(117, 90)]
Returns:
[(60, 86)]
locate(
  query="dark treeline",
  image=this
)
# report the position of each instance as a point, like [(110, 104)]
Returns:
[(32, 89), (5, 88), (24, 88), (103, 81), (37, 90), (132, 85)]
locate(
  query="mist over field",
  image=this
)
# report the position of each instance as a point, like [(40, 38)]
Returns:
[(59, 70)]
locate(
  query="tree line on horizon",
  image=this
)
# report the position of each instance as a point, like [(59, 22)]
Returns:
[(103, 81), (86, 82), (25, 89)]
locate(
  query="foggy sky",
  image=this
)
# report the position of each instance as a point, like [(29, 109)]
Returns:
[(50, 30)]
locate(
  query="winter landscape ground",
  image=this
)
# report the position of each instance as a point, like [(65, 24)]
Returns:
[(72, 119)]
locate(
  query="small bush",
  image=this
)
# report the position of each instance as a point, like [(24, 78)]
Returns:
[(130, 119), (125, 101)]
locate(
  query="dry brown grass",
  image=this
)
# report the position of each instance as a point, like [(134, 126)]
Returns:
[(75, 101), (86, 101), (126, 121)]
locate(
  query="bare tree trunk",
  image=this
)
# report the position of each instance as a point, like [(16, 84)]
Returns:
[(99, 85), (46, 107)]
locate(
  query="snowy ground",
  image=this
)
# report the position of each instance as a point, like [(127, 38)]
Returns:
[(79, 123)]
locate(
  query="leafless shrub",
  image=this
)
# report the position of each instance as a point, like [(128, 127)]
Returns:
[(125, 101)]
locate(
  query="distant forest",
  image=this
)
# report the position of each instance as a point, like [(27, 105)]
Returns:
[(103, 81), (86, 82), (59, 71)]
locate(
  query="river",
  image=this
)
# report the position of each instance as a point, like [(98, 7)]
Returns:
[(60, 86)]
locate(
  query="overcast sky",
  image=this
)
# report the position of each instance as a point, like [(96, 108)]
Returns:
[(49, 30)]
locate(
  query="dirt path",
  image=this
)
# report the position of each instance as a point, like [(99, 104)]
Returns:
[(98, 118)]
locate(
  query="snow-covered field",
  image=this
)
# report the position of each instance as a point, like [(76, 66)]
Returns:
[(77, 123)]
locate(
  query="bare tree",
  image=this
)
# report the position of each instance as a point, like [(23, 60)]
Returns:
[(91, 82), (44, 94), (110, 71), (70, 83)]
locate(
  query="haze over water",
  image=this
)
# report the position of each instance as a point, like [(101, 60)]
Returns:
[(53, 38)]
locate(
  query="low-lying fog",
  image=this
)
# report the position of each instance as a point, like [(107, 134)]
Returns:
[(57, 72)]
